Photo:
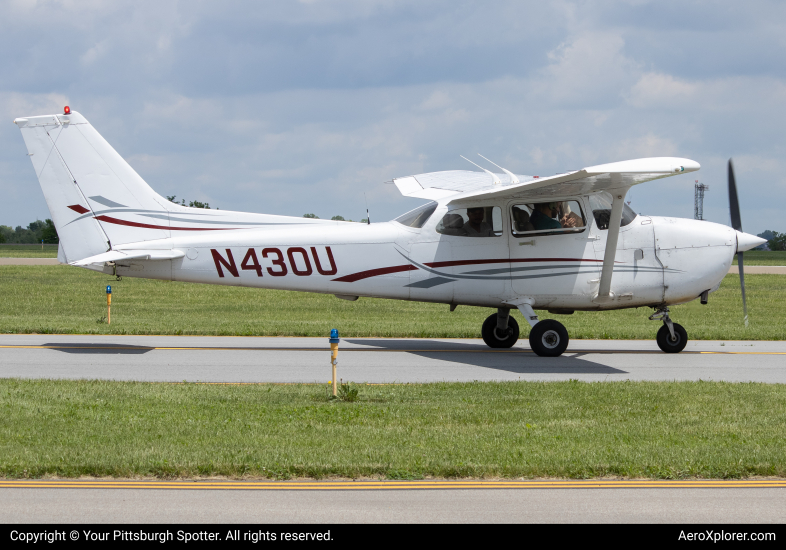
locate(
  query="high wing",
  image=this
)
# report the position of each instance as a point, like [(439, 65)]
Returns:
[(461, 185)]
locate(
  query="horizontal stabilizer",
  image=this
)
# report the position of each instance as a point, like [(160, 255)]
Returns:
[(120, 255)]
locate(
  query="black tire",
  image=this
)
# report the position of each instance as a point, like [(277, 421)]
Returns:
[(549, 338), (493, 338), (667, 344)]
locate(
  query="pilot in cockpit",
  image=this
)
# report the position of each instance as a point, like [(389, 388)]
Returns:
[(453, 224), (543, 215)]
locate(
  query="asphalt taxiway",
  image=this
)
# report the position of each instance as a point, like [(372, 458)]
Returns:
[(376, 360), (394, 502)]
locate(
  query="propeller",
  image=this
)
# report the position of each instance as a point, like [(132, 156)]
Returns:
[(736, 223)]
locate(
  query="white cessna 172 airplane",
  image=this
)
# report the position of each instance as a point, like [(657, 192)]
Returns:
[(560, 243)]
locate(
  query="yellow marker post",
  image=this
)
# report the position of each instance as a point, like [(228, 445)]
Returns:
[(334, 357), (108, 305)]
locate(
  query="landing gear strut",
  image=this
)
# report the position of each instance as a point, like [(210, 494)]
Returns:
[(671, 338), (500, 330), (547, 338)]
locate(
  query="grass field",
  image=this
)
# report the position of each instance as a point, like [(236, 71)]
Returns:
[(517, 429), (66, 300), (28, 251), (760, 257)]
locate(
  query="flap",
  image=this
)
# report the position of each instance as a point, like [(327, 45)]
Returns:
[(120, 255)]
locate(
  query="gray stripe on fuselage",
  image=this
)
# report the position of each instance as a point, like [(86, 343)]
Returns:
[(617, 269), (428, 283), (106, 202), (176, 219)]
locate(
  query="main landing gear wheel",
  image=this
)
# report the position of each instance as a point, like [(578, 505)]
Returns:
[(496, 338), (548, 338), (669, 344)]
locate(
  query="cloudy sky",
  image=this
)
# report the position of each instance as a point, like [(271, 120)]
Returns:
[(290, 107)]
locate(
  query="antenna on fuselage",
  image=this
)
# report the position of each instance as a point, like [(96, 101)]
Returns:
[(513, 178), (368, 217), (493, 175)]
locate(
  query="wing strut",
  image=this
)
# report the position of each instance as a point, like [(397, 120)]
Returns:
[(604, 289)]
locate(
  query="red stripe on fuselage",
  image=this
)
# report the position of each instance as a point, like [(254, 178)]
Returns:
[(396, 269), (374, 272), (115, 221), (78, 208), (506, 260)]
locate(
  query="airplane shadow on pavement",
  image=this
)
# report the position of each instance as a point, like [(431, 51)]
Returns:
[(515, 360), (102, 349)]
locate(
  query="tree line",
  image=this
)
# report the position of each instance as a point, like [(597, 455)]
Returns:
[(775, 240), (334, 218), (34, 233)]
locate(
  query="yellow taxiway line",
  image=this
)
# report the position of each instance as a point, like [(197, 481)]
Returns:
[(322, 350), (390, 485)]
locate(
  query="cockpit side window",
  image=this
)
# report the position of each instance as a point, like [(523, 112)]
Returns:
[(480, 221), (601, 210), (418, 217), (547, 218)]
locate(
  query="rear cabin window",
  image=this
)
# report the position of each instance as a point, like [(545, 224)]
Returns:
[(601, 210), (479, 221), (548, 218), (418, 217)]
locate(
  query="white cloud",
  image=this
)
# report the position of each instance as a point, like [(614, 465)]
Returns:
[(590, 68), (17, 104), (661, 90), (294, 107)]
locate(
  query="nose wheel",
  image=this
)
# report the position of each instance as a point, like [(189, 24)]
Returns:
[(672, 337)]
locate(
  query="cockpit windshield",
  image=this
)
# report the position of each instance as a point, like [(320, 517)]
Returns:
[(418, 217), (601, 210)]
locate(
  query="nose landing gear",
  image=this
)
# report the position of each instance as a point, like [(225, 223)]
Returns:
[(671, 338)]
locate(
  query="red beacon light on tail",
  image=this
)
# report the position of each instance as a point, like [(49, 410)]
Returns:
[(67, 110)]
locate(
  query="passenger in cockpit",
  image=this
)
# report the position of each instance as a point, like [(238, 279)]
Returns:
[(521, 220), (475, 226), (568, 218)]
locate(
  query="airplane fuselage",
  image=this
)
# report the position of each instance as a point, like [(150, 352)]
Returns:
[(659, 261)]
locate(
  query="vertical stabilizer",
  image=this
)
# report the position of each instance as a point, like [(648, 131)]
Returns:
[(94, 196), (63, 196)]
